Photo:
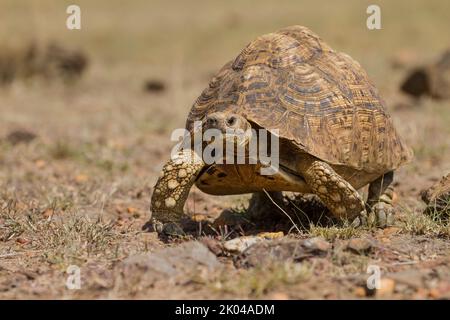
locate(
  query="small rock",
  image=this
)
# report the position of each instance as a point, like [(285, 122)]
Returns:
[(391, 231), (359, 245), (132, 210), (20, 136), (48, 213), (278, 296), (81, 178), (316, 244), (40, 164), (387, 287), (213, 245), (174, 264), (50, 60), (430, 80), (67, 63), (281, 250), (421, 294), (434, 293), (360, 292), (22, 241), (242, 243), (271, 235), (412, 278), (417, 83), (154, 86)]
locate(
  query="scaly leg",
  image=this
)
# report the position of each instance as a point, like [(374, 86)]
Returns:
[(172, 188), (336, 193), (380, 200)]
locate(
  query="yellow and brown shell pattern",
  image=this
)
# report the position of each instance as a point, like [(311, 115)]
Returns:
[(319, 99)]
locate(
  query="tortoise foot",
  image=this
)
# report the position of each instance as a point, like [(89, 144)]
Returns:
[(361, 220), (381, 215), (167, 229)]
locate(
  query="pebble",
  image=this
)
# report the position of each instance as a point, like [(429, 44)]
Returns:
[(359, 245), (242, 243), (317, 243), (387, 287)]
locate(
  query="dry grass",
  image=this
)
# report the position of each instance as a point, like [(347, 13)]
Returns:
[(256, 282), (431, 224), (332, 233), (62, 240), (80, 191)]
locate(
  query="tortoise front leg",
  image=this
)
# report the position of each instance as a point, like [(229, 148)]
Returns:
[(336, 193), (172, 188), (379, 200)]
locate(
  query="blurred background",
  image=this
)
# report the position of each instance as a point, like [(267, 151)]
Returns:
[(182, 43), (86, 117)]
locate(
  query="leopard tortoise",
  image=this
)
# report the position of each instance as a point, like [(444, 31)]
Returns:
[(335, 135)]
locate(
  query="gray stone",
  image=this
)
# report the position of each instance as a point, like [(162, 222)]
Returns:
[(175, 265)]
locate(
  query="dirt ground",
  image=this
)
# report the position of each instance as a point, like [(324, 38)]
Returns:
[(76, 175)]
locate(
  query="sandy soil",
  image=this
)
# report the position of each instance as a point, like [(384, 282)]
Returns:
[(79, 192)]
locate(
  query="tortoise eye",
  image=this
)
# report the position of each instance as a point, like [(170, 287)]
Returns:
[(211, 121), (231, 120)]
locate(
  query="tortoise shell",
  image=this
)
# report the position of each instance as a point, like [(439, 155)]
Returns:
[(319, 99)]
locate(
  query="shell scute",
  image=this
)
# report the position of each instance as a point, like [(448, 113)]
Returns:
[(319, 99)]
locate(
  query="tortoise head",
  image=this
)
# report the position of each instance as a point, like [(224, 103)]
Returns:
[(232, 127)]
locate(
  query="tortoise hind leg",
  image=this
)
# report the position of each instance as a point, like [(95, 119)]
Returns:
[(335, 192), (380, 200), (261, 205)]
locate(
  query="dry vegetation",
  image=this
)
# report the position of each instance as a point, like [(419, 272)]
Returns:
[(76, 189)]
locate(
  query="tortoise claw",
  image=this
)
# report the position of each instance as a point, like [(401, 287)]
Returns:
[(167, 229), (156, 225), (382, 215), (361, 220)]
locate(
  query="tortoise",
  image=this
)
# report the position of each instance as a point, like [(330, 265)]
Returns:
[(335, 135)]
